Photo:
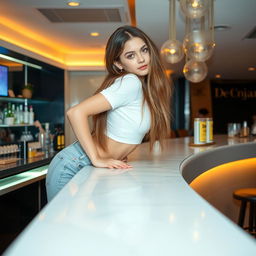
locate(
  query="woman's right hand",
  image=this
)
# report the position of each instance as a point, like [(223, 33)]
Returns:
[(110, 163)]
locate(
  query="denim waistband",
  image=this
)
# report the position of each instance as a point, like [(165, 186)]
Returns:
[(75, 150), (79, 148)]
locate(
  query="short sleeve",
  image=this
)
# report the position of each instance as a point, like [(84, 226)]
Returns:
[(123, 91)]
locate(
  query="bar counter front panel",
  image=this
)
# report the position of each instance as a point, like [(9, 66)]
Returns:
[(149, 210)]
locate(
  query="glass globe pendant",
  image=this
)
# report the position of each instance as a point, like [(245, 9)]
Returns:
[(194, 8), (195, 71), (172, 51), (198, 45)]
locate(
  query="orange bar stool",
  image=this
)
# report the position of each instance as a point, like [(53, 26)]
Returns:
[(247, 195)]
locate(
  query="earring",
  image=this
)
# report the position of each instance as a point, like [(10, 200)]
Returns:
[(117, 69), (120, 70)]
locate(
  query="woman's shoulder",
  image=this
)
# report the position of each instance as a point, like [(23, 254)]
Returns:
[(129, 78), (127, 83)]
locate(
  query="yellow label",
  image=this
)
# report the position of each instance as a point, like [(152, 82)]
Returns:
[(202, 129), (59, 140), (211, 130), (30, 154), (62, 140)]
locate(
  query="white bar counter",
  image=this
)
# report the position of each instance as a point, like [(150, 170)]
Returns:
[(149, 210)]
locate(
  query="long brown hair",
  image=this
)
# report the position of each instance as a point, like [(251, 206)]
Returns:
[(156, 86)]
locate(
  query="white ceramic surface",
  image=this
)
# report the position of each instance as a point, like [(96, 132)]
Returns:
[(149, 210)]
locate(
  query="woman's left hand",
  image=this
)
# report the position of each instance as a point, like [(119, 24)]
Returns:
[(110, 163), (125, 159)]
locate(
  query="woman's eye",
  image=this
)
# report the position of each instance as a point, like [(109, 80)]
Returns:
[(130, 56), (145, 49)]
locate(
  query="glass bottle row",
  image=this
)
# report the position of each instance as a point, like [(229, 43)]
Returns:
[(17, 114)]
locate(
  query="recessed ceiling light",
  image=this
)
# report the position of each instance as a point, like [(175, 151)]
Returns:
[(94, 34), (73, 3), (251, 69), (221, 27), (217, 76)]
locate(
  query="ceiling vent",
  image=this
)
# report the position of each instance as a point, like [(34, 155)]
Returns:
[(251, 34), (85, 15)]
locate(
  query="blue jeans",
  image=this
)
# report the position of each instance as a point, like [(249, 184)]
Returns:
[(63, 167)]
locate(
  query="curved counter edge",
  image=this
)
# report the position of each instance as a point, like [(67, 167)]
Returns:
[(194, 165)]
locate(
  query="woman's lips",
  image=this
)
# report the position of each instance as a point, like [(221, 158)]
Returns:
[(143, 67)]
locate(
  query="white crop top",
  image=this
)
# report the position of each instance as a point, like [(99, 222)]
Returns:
[(127, 121)]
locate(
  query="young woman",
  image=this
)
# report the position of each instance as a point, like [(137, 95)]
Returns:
[(132, 102)]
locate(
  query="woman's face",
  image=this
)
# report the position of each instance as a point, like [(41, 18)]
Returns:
[(135, 57)]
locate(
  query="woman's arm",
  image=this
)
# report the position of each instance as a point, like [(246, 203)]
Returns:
[(78, 117)]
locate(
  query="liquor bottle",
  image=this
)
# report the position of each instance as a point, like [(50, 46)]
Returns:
[(1, 116), (17, 115), (47, 137), (31, 115), (4, 114), (56, 139), (14, 113), (21, 114), (62, 139), (25, 113), (253, 128), (9, 111), (9, 116), (245, 131), (59, 138)]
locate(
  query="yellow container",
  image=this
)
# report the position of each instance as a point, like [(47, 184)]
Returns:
[(209, 130), (199, 131)]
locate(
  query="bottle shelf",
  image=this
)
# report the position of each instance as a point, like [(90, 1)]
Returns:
[(16, 125), (21, 100)]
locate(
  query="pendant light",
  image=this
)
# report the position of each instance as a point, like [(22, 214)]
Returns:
[(172, 49), (195, 71), (198, 43), (194, 9)]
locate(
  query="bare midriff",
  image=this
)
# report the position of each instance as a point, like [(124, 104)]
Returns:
[(116, 150)]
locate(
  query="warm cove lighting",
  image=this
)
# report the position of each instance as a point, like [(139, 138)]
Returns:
[(73, 3), (70, 63), (27, 34), (224, 172), (88, 63), (32, 49), (38, 44), (251, 69), (94, 34)]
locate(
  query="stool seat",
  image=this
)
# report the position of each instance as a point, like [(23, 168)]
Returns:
[(247, 195)]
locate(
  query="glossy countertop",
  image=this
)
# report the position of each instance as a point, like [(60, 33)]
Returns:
[(148, 210)]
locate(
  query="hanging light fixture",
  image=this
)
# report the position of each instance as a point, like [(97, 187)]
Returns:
[(195, 71), (194, 8), (198, 43), (172, 49)]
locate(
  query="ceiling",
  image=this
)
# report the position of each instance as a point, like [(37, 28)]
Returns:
[(69, 44)]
